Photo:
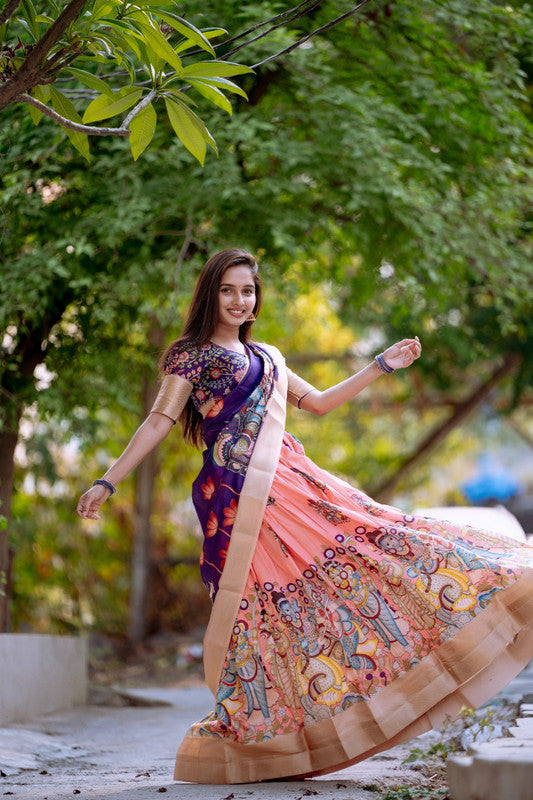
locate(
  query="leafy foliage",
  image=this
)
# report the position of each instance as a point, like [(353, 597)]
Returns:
[(382, 180), (127, 55)]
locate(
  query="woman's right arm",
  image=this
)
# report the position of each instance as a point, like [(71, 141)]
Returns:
[(154, 429)]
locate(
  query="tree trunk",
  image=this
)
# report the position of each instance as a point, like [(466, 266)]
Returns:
[(8, 442), (142, 533), (384, 491)]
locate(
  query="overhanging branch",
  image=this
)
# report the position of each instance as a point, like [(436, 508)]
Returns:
[(90, 130), (30, 70), (306, 38), (384, 490)]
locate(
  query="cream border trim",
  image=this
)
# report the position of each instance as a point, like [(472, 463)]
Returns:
[(250, 511)]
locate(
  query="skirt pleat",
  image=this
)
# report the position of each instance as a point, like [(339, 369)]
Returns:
[(359, 627)]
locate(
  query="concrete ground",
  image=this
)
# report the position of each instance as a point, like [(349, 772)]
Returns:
[(109, 753)]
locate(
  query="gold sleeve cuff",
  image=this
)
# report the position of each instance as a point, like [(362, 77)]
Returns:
[(173, 396), (297, 388)]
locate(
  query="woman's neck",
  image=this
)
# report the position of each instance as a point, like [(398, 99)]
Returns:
[(228, 341)]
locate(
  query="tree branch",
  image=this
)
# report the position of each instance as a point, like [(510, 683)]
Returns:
[(306, 38), (8, 10), (138, 108), (90, 130), (287, 16), (70, 124), (29, 73), (384, 490), (281, 24)]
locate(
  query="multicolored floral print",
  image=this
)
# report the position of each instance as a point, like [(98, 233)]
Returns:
[(213, 371), (230, 427), (338, 604), (235, 442)]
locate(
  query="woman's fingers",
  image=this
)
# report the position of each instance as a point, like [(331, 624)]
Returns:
[(90, 502)]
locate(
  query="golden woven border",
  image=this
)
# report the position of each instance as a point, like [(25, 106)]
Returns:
[(250, 511), (467, 669)]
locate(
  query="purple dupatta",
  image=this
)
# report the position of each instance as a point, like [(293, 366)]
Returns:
[(229, 436)]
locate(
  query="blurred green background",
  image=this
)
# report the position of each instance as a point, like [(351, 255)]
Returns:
[(382, 174)]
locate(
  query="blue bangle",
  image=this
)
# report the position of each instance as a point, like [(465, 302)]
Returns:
[(382, 364), (102, 482)]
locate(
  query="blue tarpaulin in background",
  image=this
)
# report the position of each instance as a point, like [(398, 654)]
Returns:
[(491, 482)]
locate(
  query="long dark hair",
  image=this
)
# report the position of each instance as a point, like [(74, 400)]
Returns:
[(202, 320)]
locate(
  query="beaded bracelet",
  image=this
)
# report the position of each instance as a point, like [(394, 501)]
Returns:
[(102, 482), (382, 364)]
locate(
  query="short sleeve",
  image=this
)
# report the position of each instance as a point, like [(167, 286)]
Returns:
[(297, 388), (172, 397), (182, 369)]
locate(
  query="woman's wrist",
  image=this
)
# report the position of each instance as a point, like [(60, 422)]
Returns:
[(382, 364), (107, 484)]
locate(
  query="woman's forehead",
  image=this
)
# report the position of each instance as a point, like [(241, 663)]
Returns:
[(240, 275)]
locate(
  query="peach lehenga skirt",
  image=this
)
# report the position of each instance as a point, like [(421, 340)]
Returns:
[(359, 627)]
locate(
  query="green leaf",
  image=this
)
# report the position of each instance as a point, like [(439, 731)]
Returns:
[(209, 33), (182, 97), (189, 31), (104, 107), (157, 42), (35, 114), (29, 13), (88, 79), (42, 92), (121, 26), (142, 129), (64, 107), (101, 9), (128, 36), (153, 61), (222, 83), (153, 4), (188, 127), (216, 69), (212, 33), (44, 18), (103, 41), (213, 94)]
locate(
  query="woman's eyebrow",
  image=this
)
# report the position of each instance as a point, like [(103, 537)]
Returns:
[(245, 286)]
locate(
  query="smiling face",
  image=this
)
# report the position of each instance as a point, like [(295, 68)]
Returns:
[(236, 300)]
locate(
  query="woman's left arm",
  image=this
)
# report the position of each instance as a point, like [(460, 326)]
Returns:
[(399, 355)]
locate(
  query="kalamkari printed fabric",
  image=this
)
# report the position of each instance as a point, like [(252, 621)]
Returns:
[(344, 596)]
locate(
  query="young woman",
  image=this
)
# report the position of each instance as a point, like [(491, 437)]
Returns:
[(340, 626)]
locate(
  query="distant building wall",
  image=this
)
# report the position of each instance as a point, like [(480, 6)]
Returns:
[(39, 674)]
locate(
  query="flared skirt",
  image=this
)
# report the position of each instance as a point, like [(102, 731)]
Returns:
[(359, 627)]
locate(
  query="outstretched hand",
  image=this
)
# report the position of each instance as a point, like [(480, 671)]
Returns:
[(402, 354), (91, 501)]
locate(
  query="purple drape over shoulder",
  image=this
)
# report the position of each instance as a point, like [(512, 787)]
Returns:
[(229, 431)]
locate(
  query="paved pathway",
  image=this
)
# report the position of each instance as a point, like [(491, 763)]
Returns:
[(103, 753)]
